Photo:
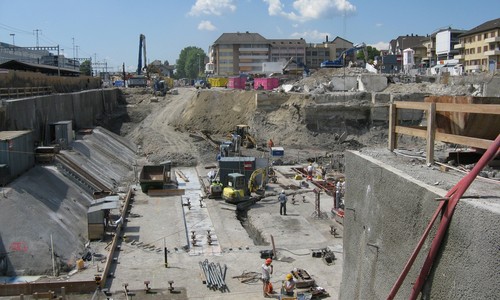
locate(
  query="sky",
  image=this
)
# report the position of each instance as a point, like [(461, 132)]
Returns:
[(109, 30)]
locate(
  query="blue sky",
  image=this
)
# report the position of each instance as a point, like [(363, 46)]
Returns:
[(109, 30)]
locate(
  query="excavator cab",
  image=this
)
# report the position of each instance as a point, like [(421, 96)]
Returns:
[(235, 190)]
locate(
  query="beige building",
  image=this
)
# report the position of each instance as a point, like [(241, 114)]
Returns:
[(236, 53), (318, 53), (479, 48)]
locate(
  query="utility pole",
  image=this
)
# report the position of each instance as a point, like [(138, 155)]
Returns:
[(36, 33), (74, 61)]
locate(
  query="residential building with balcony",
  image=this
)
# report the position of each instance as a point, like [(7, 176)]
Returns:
[(236, 53), (479, 48), (240, 52), (284, 49)]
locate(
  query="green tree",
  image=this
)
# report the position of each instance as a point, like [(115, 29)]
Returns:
[(372, 52), (86, 68), (191, 63)]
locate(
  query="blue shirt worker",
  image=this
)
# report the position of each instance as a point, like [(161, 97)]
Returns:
[(282, 198)]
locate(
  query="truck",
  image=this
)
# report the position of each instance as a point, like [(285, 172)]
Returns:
[(156, 177), (346, 55)]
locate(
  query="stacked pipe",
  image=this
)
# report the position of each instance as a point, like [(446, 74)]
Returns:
[(215, 276)]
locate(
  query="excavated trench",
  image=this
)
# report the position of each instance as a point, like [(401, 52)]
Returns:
[(253, 232)]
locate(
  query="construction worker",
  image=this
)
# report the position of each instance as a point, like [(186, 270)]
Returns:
[(270, 144), (267, 270), (289, 285), (310, 170), (282, 198)]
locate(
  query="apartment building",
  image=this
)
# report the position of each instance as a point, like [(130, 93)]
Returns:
[(240, 52), (235, 53), (284, 49), (479, 48)]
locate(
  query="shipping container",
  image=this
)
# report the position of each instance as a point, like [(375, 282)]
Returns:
[(267, 83), (16, 153), (218, 81), (242, 165), (236, 83)]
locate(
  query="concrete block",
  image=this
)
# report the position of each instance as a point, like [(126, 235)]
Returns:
[(381, 98), (492, 88), (379, 113), (346, 83), (372, 83)]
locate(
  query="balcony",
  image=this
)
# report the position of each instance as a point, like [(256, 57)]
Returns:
[(459, 46), (459, 56), (492, 39), (253, 57), (492, 52), (265, 50)]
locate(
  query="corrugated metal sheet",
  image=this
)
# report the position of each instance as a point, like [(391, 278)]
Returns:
[(16, 151)]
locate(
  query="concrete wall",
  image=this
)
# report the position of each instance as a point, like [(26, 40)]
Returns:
[(386, 212), (270, 101), (36, 113), (344, 83)]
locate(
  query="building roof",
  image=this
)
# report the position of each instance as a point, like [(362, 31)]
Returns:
[(339, 38), (283, 42), (489, 25), (9, 135), (46, 69), (241, 38)]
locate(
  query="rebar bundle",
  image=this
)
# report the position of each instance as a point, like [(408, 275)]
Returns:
[(215, 275)]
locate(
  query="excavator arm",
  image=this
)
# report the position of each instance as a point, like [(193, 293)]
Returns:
[(252, 187)]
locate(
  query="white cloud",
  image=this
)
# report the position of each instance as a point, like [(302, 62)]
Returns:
[(212, 7), (312, 36), (275, 7), (306, 10), (379, 24), (206, 25), (381, 45)]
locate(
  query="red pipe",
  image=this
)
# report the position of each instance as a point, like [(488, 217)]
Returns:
[(455, 193)]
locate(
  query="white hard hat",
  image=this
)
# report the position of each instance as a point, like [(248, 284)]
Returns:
[(282, 191)]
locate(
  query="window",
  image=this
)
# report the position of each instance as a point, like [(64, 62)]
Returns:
[(478, 37), (485, 48), (485, 35), (478, 49)]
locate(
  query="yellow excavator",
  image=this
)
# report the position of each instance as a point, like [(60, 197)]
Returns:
[(234, 192)]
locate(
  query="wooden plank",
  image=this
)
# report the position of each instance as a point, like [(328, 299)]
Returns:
[(412, 131), (181, 175), (493, 109), (392, 126), (431, 132), (463, 140), (167, 192), (411, 105)]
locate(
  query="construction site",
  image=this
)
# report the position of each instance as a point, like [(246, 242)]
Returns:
[(119, 193)]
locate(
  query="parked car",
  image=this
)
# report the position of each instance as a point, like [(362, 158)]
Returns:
[(202, 84)]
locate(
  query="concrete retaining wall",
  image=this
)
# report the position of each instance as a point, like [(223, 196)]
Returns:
[(85, 109), (385, 216), (270, 101), (372, 83)]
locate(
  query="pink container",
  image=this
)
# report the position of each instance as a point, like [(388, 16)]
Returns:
[(236, 83), (267, 83)]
